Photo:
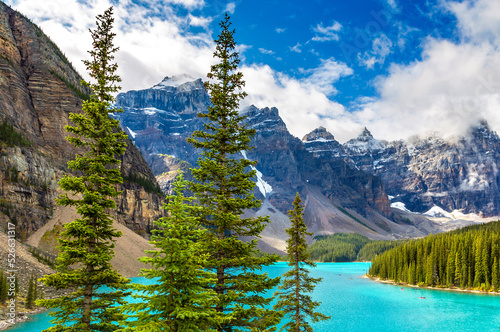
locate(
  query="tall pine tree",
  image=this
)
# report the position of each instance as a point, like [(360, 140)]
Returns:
[(178, 299), (293, 300), (86, 244), (224, 188)]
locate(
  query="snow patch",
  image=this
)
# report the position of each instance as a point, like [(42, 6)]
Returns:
[(174, 81), (364, 146), (320, 139), (131, 133), (400, 206), (437, 212), (264, 187)]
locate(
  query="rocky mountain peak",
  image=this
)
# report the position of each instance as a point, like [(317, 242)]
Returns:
[(365, 135), (318, 134), (263, 119), (176, 81), (364, 144)]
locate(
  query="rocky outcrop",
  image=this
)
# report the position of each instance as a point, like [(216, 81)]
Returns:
[(39, 88)]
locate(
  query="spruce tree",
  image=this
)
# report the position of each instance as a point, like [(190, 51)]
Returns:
[(86, 244), (30, 299), (177, 300), (293, 300), (224, 188), (3, 287)]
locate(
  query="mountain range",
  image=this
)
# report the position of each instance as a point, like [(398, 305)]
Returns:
[(384, 190), (381, 189)]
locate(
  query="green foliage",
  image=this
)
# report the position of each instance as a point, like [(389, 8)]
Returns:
[(348, 247), (148, 185), (466, 258), (339, 247), (179, 300), (31, 296), (3, 287), (87, 243), (42, 257), (374, 248), (11, 137), (293, 300), (224, 188)]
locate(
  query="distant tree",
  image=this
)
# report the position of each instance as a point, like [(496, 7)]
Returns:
[(224, 188), (30, 296), (86, 244), (3, 287), (178, 300), (293, 300)]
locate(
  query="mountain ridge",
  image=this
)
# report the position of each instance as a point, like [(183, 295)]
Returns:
[(338, 197)]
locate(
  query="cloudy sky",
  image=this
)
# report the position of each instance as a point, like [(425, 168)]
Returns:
[(397, 67)]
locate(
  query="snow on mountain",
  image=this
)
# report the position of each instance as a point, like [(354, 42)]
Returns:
[(400, 206), (174, 81), (364, 144), (131, 133), (437, 212), (264, 187)]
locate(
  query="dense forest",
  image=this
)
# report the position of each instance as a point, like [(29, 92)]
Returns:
[(465, 258), (347, 247)]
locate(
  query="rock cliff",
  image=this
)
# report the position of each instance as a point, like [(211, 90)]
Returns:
[(38, 90)]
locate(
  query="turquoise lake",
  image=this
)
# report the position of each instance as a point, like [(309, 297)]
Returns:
[(359, 304)]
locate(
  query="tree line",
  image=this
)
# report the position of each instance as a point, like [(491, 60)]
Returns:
[(205, 277), (347, 247), (467, 258)]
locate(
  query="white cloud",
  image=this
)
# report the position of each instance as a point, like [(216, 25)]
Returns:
[(327, 33), (479, 20), (381, 48), (230, 7), (264, 51), (302, 103), (452, 88), (280, 30), (393, 4), (324, 76), (296, 48), (154, 41)]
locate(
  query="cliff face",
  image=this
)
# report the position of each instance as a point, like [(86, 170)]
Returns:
[(38, 90)]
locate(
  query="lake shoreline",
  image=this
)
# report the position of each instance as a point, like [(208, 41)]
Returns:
[(20, 317), (390, 282)]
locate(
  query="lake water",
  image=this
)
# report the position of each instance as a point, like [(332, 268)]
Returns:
[(359, 304)]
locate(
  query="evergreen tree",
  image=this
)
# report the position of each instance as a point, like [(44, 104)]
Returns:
[(177, 300), (87, 243), (35, 287), (494, 275), (293, 301), (3, 287), (30, 299), (224, 188)]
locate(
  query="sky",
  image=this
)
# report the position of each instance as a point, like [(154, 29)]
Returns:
[(398, 67)]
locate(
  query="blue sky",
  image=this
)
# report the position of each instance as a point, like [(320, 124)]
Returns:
[(398, 67)]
